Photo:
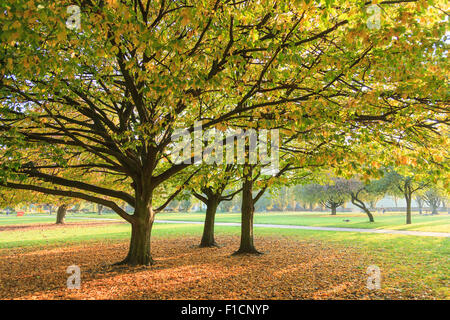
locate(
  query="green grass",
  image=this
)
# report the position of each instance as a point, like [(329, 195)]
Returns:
[(421, 263), (439, 223), (393, 221)]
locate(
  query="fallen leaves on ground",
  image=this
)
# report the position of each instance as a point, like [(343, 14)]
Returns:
[(289, 269)]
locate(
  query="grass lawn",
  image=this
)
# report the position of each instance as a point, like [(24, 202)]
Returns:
[(396, 221), (411, 266), (393, 221)]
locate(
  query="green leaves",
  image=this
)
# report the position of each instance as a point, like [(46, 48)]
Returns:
[(112, 92)]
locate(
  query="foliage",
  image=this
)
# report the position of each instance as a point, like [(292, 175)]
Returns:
[(433, 197), (89, 113)]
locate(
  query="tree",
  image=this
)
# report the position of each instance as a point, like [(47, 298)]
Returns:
[(359, 193), (99, 209), (247, 212), (209, 187), (406, 185), (419, 201), (308, 195), (433, 199), (252, 176), (61, 213), (282, 198), (11, 198), (105, 101), (106, 97), (265, 203), (229, 206), (408, 189), (333, 195)]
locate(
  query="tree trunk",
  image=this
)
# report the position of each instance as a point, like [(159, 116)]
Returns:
[(369, 214), (99, 209), (247, 213), (61, 214), (362, 206), (435, 208), (408, 208), (208, 228), (420, 204), (333, 210), (139, 250)]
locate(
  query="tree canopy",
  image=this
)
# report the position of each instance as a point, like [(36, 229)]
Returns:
[(89, 112)]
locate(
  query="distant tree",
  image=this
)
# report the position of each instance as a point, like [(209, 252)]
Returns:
[(265, 203), (433, 198), (26, 197), (419, 201), (333, 195), (230, 206), (307, 195), (61, 213), (360, 194), (405, 185), (282, 197)]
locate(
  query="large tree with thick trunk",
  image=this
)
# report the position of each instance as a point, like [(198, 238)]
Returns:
[(210, 188), (250, 174), (89, 109), (247, 212), (61, 213), (212, 199)]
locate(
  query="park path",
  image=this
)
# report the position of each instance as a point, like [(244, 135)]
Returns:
[(285, 226)]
